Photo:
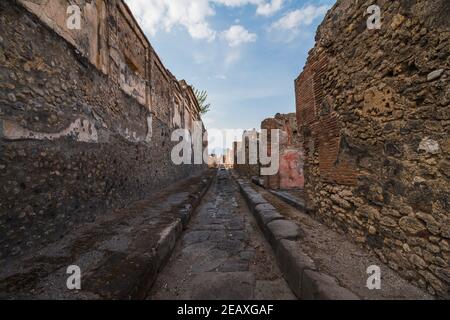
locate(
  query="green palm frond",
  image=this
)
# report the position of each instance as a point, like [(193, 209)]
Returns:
[(202, 97)]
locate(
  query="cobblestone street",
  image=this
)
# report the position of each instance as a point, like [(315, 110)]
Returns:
[(222, 254), (266, 150)]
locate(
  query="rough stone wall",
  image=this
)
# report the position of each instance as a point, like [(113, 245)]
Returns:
[(73, 143), (290, 174), (373, 108), (108, 37), (111, 39)]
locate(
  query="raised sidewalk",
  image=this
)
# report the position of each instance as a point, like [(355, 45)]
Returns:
[(120, 254), (317, 262)]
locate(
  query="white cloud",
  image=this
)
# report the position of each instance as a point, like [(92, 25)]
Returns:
[(238, 35), (305, 16), (232, 57), (269, 8), (237, 3), (263, 7), (157, 15)]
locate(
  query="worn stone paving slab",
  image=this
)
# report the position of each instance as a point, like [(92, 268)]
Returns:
[(222, 254), (234, 285), (119, 254)]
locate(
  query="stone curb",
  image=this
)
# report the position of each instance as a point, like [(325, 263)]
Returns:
[(293, 262), (165, 245), (289, 200), (279, 230), (298, 269), (186, 212), (285, 197), (258, 181), (319, 286), (168, 240)]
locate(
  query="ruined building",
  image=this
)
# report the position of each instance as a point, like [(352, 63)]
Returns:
[(290, 174), (373, 110), (86, 117)]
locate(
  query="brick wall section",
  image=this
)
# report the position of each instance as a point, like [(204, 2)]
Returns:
[(290, 174), (73, 143), (373, 113)]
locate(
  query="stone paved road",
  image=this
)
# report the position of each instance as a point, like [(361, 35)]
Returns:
[(222, 254)]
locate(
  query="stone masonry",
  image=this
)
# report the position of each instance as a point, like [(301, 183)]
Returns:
[(373, 110), (290, 175), (86, 118)]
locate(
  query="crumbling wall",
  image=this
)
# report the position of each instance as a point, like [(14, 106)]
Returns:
[(373, 113), (111, 39), (73, 143), (290, 173), (108, 37)]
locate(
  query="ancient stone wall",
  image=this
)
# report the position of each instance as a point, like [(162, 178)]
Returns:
[(373, 108), (108, 37), (74, 142), (111, 39), (290, 173)]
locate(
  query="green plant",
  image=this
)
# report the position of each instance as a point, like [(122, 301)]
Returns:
[(202, 97)]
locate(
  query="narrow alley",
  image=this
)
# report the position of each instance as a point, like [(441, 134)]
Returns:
[(222, 255), (263, 150)]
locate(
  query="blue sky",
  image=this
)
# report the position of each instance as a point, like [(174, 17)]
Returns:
[(244, 53)]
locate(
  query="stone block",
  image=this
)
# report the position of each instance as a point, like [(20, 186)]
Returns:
[(282, 229), (256, 199), (293, 262), (264, 206), (267, 216), (319, 286), (167, 241)]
